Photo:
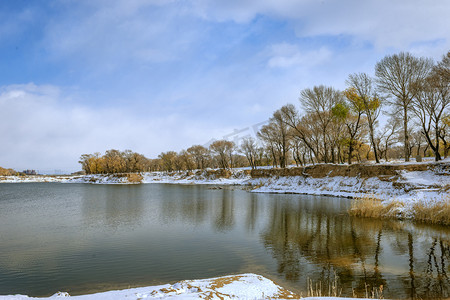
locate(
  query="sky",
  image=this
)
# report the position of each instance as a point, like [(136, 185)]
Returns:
[(85, 76)]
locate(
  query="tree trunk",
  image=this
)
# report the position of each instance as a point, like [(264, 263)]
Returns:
[(405, 132), (437, 155), (350, 151), (372, 140)]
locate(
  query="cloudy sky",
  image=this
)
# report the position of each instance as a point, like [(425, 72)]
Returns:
[(84, 76)]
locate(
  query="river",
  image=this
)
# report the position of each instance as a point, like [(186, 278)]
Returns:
[(83, 238)]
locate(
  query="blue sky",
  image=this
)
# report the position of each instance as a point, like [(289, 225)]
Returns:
[(81, 76)]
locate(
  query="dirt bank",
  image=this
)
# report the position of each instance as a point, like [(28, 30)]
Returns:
[(355, 170)]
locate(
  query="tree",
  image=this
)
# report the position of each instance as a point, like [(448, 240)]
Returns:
[(319, 101), (249, 148), (299, 128), (115, 161), (200, 155), (396, 76), (168, 160), (431, 100), (363, 94), (187, 159), (386, 138), (224, 151), (277, 136), (443, 68), (349, 113)]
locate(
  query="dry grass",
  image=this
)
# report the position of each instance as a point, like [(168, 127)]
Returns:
[(371, 207), (431, 213), (331, 289), (436, 213), (134, 178)]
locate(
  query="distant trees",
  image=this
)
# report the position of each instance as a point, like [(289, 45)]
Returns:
[(7, 172), (114, 161)]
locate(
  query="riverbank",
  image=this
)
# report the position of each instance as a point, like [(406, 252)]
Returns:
[(245, 286)]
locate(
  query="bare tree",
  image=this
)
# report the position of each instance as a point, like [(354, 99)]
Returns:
[(292, 118), (387, 136), (249, 148), (200, 155), (168, 160), (223, 149), (443, 68), (277, 136), (187, 159), (396, 75), (431, 100), (369, 101), (319, 101)]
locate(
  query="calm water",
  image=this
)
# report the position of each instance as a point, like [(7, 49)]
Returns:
[(83, 238)]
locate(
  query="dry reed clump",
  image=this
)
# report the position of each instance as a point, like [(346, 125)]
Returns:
[(434, 213), (134, 178), (369, 206)]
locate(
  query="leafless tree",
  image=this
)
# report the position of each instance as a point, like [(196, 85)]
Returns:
[(168, 160), (429, 104), (299, 130), (396, 75), (318, 102), (387, 137), (200, 155), (369, 101), (224, 151), (249, 148)]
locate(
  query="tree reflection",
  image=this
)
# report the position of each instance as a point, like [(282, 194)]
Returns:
[(225, 211), (316, 244), (115, 206)]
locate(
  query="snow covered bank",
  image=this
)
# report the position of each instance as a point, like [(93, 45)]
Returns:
[(94, 178), (245, 286), (219, 177), (37, 178)]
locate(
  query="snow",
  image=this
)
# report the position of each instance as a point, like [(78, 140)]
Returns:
[(244, 286), (238, 177)]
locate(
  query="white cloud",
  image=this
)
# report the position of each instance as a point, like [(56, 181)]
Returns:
[(385, 23), (287, 55), (40, 129)]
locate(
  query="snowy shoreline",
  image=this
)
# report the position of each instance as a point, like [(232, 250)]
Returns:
[(244, 286)]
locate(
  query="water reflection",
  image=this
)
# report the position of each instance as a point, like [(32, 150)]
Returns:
[(364, 254), (113, 206), (225, 211)]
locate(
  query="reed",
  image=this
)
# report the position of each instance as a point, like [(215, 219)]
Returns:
[(433, 212)]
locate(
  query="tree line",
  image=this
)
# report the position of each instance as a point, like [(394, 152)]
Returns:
[(340, 126), (331, 126)]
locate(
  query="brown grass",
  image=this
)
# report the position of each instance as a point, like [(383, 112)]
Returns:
[(436, 213), (134, 178), (432, 213), (331, 289), (371, 207)]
